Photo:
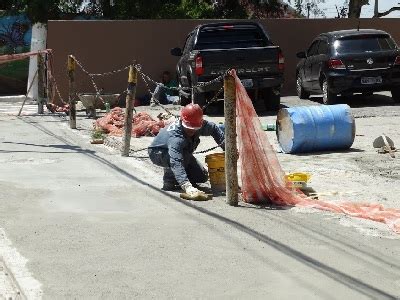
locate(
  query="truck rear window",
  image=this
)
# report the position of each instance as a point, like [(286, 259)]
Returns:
[(361, 44), (227, 37)]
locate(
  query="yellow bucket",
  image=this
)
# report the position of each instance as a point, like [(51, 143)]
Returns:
[(216, 171), (298, 180)]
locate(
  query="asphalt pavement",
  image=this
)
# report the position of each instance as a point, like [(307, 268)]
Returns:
[(80, 221)]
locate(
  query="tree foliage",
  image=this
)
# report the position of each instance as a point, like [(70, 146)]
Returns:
[(355, 7), (43, 10), (306, 7)]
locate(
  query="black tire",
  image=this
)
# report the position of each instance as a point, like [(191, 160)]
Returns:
[(396, 95), (327, 96), (301, 92), (184, 96), (200, 99), (184, 100), (272, 99)]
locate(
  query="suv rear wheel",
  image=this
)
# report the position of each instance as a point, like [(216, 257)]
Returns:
[(272, 98), (301, 92), (328, 96), (396, 95)]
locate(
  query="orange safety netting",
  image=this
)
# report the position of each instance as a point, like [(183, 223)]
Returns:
[(263, 178), (142, 123), (19, 56), (51, 81), (56, 108)]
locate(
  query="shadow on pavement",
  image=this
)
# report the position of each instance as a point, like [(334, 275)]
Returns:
[(64, 147), (351, 150), (359, 100)]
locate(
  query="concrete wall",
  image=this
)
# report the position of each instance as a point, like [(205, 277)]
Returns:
[(107, 45)]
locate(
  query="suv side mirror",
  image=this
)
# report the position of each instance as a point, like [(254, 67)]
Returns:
[(301, 54), (176, 51)]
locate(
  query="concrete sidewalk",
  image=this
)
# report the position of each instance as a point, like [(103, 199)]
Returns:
[(92, 224)]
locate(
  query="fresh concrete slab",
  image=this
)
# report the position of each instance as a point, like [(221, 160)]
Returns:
[(93, 224)]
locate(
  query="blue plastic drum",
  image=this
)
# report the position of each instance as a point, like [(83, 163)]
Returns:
[(315, 128)]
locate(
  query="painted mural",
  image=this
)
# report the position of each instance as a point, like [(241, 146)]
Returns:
[(15, 37)]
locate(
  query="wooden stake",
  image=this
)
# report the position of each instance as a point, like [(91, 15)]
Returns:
[(40, 99), (230, 141), (71, 93), (131, 93)]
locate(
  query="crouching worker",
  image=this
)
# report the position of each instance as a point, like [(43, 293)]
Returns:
[(173, 149)]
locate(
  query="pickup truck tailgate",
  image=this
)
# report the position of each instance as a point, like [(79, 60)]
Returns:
[(248, 62)]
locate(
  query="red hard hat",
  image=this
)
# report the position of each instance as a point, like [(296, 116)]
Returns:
[(192, 116)]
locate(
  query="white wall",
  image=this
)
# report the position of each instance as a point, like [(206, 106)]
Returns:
[(38, 42)]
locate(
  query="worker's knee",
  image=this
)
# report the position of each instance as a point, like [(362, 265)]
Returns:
[(159, 157)]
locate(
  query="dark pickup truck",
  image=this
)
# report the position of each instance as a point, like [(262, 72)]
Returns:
[(212, 49)]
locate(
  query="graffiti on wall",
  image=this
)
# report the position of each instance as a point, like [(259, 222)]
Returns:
[(15, 37)]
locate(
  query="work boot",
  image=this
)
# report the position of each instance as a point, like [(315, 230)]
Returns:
[(171, 186)]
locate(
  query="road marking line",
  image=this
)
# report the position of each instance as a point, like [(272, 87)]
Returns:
[(16, 264)]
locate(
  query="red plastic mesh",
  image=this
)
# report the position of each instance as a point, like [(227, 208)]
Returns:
[(263, 178), (142, 123), (55, 108), (6, 58)]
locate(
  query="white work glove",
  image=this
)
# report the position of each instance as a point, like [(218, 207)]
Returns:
[(190, 189)]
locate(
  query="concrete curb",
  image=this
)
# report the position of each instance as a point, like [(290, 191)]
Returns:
[(17, 98)]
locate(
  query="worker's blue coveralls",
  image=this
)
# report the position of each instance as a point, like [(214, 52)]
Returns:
[(173, 150)]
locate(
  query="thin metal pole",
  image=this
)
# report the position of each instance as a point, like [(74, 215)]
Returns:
[(131, 92), (230, 141), (40, 99), (26, 95), (71, 95)]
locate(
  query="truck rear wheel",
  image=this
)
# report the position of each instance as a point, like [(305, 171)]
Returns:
[(396, 95), (272, 98), (183, 100), (200, 99)]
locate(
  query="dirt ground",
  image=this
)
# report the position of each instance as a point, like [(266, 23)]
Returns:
[(359, 174)]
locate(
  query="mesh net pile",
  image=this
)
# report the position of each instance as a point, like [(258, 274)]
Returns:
[(56, 108), (142, 123), (263, 178)]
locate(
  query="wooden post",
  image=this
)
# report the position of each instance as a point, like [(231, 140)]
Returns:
[(71, 94), (230, 141), (40, 100), (131, 92)]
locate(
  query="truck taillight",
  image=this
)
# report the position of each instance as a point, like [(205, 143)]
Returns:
[(397, 61), (336, 64), (199, 66), (281, 61)]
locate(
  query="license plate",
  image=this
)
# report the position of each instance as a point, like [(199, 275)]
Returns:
[(247, 83), (371, 80)]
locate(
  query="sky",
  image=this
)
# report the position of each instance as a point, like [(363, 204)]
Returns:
[(328, 7)]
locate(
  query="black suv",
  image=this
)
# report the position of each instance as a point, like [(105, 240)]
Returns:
[(349, 61)]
